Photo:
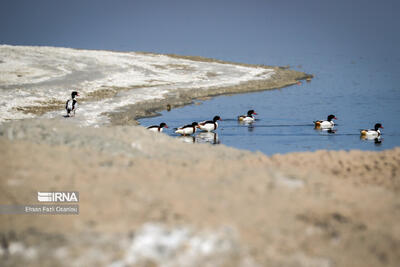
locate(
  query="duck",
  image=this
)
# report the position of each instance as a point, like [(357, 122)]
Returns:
[(326, 124), (187, 129), (249, 117), (209, 126), (372, 133), (71, 105), (157, 128)]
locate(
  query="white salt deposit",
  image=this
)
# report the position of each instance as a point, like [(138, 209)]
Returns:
[(33, 76)]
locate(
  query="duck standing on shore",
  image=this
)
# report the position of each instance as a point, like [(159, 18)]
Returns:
[(249, 117), (72, 104), (209, 126), (187, 129), (372, 133), (325, 124), (157, 128)]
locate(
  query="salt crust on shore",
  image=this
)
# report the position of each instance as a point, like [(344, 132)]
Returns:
[(38, 76)]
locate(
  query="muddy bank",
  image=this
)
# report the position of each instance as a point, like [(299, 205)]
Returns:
[(129, 114), (195, 204)]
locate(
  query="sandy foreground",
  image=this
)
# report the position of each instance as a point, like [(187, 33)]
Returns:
[(147, 199)]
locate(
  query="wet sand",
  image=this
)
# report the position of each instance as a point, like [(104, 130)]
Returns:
[(327, 208)]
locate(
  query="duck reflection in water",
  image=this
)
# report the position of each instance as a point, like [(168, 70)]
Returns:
[(207, 137), (325, 130), (250, 125), (187, 139), (377, 140)]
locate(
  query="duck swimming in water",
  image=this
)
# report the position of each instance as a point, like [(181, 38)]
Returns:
[(187, 129), (157, 128), (325, 124), (209, 126), (72, 104), (249, 117), (372, 133)]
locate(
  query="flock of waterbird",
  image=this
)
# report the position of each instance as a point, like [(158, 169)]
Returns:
[(212, 125), (206, 126)]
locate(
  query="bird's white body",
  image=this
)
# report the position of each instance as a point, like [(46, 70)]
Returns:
[(246, 118), (208, 126), (71, 107), (187, 130), (324, 124), (327, 124), (70, 104), (371, 133), (155, 129)]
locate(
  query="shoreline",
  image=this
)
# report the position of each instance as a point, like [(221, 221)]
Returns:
[(129, 114), (122, 82)]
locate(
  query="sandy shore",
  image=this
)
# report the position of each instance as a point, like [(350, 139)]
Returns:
[(150, 200)]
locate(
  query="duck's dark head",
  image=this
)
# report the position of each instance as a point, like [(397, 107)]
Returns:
[(195, 124), (331, 117), (377, 126), (74, 94), (163, 125), (251, 112), (217, 118)]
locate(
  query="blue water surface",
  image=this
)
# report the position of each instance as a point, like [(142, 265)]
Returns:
[(359, 90)]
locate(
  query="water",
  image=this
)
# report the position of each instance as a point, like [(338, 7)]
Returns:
[(359, 90)]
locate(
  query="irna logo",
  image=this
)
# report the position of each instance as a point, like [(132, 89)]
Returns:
[(58, 196)]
